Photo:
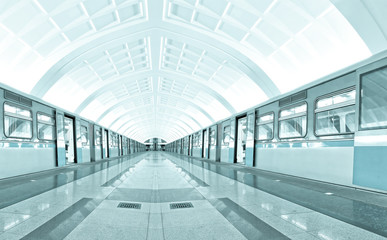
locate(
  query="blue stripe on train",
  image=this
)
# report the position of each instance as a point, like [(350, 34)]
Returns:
[(347, 143), (26, 145)]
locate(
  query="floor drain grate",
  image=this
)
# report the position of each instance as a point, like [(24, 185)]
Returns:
[(181, 205), (129, 205)]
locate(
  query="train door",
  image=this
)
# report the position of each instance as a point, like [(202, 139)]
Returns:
[(205, 144), (212, 144), (189, 145), (69, 136), (120, 145), (226, 138), (241, 132), (105, 146)]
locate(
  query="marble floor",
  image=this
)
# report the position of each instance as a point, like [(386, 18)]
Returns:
[(223, 201)]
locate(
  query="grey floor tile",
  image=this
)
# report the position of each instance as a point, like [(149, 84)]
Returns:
[(155, 220), (10, 220), (303, 236), (136, 195), (203, 232), (283, 226), (155, 234), (62, 224), (179, 218), (175, 195), (345, 232), (158, 180), (29, 225), (9, 236), (118, 217), (104, 232), (27, 207)]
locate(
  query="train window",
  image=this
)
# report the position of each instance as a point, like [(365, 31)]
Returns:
[(98, 137), (199, 139), (265, 127), (292, 122), (226, 135), (212, 137), (111, 140), (46, 127), (373, 101), (335, 114), (84, 136), (17, 122)]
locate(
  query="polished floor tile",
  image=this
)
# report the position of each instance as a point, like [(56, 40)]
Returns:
[(229, 202)]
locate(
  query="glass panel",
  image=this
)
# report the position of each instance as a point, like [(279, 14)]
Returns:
[(373, 102), (17, 111), (340, 98), (17, 128), (84, 136), (294, 110), (98, 137), (265, 131), (337, 121), (226, 135), (267, 117), (293, 127), (212, 138), (46, 132), (45, 118)]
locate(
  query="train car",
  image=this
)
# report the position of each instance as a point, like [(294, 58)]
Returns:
[(27, 135), (36, 137), (333, 130)]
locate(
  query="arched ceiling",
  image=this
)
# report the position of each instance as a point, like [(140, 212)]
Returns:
[(167, 68)]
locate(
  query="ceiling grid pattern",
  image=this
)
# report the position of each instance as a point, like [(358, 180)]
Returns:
[(167, 68)]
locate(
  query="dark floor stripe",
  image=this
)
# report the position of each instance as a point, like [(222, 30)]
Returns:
[(65, 222), (112, 182), (21, 190), (195, 181), (361, 214), (248, 224)]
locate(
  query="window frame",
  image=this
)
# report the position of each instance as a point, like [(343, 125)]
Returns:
[(88, 135), (214, 137), (228, 132), (100, 136), (46, 123), (360, 128), (336, 106), (293, 116), (266, 122), (20, 117)]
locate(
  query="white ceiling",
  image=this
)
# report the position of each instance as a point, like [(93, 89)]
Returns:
[(167, 68)]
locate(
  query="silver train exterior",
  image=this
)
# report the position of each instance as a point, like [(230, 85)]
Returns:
[(332, 130), (36, 136)]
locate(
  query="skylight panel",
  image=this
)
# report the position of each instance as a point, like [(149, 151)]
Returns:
[(78, 31), (246, 18), (206, 21), (129, 12), (181, 12), (93, 6), (105, 20), (68, 16), (217, 7)]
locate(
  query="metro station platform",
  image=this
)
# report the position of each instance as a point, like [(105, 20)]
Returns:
[(215, 201)]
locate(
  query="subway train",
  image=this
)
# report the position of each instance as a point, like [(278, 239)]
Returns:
[(333, 130), (36, 137)]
